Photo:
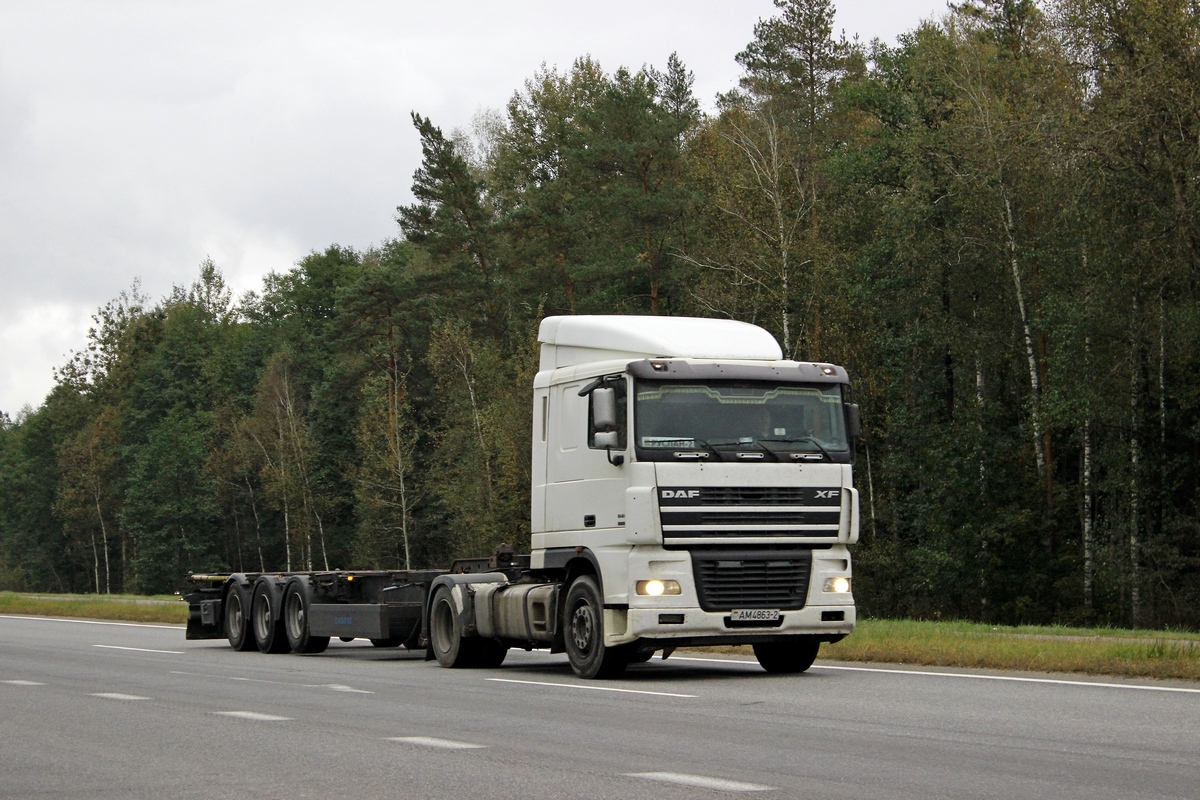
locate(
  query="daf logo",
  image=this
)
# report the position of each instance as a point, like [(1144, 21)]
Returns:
[(669, 494), (826, 494)]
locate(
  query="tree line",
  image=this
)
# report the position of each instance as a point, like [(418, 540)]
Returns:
[(992, 224)]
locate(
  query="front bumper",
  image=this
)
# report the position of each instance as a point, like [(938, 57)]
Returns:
[(714, 627)]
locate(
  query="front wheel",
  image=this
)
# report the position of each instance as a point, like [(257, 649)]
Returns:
[(583, 623), (789, 656), (295, 622)]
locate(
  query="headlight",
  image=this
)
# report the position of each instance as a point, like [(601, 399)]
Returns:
[(655, 588), (838, 585)]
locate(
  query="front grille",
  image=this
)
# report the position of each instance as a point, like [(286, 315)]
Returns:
[(729, 579), (751, 496), (742, 512), (829, 518)]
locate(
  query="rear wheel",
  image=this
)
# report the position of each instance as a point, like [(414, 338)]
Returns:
[(295, 622), (268, 626), (792, 655), (450, 648), (237, 618), (583, 622), (491, 654)]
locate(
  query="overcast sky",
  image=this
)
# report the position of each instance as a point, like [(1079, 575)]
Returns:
[(138, 137)]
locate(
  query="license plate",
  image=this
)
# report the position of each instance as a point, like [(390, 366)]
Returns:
[(754, 615)]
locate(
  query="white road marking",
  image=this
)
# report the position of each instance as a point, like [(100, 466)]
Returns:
[(95, 622), (700, 781), (119, 696), (137, 649), (930, 674), (23, 683), (1016, 679), (591, 688), (428, 741), (252, 715), (335, 687)]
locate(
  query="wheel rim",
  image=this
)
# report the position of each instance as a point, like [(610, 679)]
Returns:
[(235, 619), (295, 616), (583, 628), (262, 618)]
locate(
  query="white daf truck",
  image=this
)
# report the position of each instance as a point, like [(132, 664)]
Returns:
[(690, 487)]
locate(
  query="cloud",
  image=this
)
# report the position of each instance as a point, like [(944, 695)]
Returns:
[(138, 137), (34, 341)]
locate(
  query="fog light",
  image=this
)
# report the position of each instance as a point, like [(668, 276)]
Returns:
[(655, 588), (838, 585)]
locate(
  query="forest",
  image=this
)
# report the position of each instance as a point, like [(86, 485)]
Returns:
[(992, 224)]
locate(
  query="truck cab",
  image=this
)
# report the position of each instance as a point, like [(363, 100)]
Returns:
[(700, 481)]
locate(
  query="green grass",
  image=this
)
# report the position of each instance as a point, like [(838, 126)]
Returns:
[(1026, 648), (1106, 651), (128, 608)]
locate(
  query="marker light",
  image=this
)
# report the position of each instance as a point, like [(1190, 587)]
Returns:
[(655, 588), (838, 585)]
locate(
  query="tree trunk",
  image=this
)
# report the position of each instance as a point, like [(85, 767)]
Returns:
[(1135, 544), (1086, 519), (1035, 384), (104, 540)]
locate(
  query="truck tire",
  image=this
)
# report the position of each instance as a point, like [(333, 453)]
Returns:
[(583, 624), (491, 654), (450, 647), (641, 658), (268, 626), (793, 655), (237, 618), (295, 622)]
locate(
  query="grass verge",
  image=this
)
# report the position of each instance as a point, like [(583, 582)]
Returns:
[(127, 608), (1123, 653), (1091, 651)]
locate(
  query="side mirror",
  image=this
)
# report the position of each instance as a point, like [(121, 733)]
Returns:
[(606, 440), (853, 421), (604, 411)]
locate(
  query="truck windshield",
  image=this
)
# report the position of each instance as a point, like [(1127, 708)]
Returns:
[(733, 421)]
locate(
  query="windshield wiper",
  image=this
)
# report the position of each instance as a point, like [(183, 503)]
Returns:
[(703, 444), (745, 441), (802, 440)]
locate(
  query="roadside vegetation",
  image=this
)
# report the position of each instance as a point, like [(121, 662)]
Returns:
[(1026, 648), (127, 608)]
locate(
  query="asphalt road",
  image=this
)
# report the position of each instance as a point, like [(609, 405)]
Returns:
[(103, 710)]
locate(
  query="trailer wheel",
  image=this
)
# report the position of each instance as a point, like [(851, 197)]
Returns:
[(450, 647), (268, 629), (237, 619), (583, 623), (793, 655), (295, 622)]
